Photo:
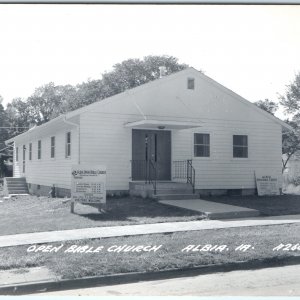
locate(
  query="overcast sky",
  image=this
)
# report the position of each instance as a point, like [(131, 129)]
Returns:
[(253, 50)]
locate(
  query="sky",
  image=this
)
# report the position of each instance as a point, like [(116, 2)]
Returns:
[(251, 49)]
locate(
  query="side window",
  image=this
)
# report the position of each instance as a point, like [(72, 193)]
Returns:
[(39, 149), (17, 153), (52, 150), (201, 145), (191, 83), (240, 146), (68, 144), (30, 151)]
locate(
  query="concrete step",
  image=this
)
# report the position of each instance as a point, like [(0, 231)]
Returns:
[(16, 184), (14, 179), (169, 191), (13, 192), (175, 196), (171, 185), (159, 184), (16, 188)]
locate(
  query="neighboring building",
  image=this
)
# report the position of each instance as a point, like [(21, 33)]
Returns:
[(180, 117)]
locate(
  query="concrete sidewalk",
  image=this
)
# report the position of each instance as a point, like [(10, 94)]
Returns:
[(214, 210), (132, 230)]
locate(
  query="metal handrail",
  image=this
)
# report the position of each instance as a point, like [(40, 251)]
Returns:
[(147, 171), (183, 169), (191, 174), (153, 180)]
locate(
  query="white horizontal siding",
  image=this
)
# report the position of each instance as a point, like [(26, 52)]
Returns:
[(221, 170), (48, 171), (105, 141)]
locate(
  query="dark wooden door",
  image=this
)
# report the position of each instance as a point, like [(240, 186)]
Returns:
[(152, 145)]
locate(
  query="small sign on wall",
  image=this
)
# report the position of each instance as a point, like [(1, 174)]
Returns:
[(267, 184), (88, 184)]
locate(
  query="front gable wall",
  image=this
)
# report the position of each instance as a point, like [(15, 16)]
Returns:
[(170, 99), (223, 115)]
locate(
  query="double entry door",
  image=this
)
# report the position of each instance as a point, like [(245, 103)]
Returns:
[(151, 146)]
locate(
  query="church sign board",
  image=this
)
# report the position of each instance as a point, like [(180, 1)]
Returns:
[(88, 184), (267, 184)]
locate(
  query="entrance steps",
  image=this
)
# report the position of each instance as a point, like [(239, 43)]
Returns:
[(164, 190), (15, 186)]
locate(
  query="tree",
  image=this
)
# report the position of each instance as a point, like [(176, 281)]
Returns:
[(45, 103), (4, 151), (291, 100), (134, 72), (291, 103), (49, 101), (267, 105), (18, 116), (290, 142), (3, 124), (84, 94)]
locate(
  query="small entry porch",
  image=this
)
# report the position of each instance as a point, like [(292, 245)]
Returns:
[(149, 185), (153, 172), (163, 190)]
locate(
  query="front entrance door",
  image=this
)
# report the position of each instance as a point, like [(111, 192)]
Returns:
[(152, 145)]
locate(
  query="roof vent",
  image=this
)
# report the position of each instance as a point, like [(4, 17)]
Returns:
[(162, 71)]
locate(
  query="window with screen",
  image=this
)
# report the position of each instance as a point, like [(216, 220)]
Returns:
[(240, 146), (201, 145), (30, 151), (191, 84), (39, 149), (52, 150), (68, 144)]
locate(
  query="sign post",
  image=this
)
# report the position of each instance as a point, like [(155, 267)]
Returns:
[(267, 184), (88, 185)]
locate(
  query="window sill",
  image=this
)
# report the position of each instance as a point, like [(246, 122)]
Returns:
[(240, 158), (202, 157)]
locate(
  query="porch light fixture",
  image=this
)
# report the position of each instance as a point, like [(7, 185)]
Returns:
[(161, 127)]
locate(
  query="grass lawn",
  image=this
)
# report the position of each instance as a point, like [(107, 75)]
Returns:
[(26, 214), (169, 256), (267, 205)]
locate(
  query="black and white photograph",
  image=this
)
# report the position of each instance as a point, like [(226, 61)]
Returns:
[(149, 150)]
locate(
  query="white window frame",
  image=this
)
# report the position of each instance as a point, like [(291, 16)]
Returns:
[(240, 146), (39, 149), (52, 147), (191, 79), (194, 144), (30, 152), (68, 145)]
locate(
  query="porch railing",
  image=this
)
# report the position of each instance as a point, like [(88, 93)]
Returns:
[(183, 169), (145, 170)]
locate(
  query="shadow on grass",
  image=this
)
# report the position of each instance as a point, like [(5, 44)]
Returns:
[(126, 209)]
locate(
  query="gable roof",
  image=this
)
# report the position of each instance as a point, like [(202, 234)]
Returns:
[(246, 102), (155, 84)]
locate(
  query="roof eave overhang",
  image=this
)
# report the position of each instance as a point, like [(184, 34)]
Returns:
[(39, 130), (159, 124)]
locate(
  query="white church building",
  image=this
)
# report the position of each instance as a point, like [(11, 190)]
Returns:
[(184, 127)]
